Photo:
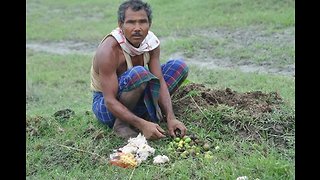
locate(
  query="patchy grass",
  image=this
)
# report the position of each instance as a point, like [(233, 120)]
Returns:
[(255, 135)]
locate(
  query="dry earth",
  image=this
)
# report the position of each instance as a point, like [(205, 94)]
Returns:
[(196, 98)]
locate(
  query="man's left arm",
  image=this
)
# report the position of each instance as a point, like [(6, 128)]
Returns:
[(164, 95)]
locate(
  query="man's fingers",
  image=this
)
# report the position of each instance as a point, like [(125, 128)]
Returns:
[(161, 130), (171, 133), (160, 135), (183, 132), (157, 135)]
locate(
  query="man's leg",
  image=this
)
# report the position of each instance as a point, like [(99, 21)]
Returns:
[(132, 85), (174, 73), (129, 99)]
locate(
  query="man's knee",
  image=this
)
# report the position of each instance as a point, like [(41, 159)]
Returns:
[(179, 64), (138, 70)]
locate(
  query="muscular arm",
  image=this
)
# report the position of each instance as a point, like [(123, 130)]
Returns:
[(107, 59), (165, 99)]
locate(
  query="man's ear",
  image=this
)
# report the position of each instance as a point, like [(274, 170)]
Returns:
[(120, 24)]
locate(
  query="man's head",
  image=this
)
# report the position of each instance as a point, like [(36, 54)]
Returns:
[(135, 5), (134, 19)]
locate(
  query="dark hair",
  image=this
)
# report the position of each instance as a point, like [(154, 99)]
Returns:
[(135, 5)]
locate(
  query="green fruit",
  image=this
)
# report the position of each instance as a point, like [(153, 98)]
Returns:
[(198, 149), (192, 152), (209, 153), (177, 139), (206, 146), (187, 146), (170, 149), (206, 156), (187, 140), (182, 155), (185, 152), (185, 137)]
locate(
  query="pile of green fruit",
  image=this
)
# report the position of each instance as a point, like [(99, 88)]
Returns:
[(190, 146)]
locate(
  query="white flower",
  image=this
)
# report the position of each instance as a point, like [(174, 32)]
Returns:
[(160, 159), (242, 178)]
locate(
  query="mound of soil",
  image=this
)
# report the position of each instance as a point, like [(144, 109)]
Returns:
[(254, 102), (196, 97)]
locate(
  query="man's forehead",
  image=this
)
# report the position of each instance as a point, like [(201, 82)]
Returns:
[(129, 13)]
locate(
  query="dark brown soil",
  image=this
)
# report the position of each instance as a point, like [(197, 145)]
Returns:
[(257, 105), (254, 102)]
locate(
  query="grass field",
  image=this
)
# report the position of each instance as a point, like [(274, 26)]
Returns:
[(231, 33)]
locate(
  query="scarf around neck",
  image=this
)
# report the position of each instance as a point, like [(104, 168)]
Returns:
[(149, 43)]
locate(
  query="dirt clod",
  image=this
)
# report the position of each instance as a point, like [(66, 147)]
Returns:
[(64, 114)]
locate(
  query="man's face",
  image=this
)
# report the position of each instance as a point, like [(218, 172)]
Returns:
[(135, 26)]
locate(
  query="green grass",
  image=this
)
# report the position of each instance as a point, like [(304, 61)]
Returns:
[(89, 20), (78, 148), (52, 86)]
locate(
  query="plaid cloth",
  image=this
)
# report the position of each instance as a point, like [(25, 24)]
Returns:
[(174, 73)]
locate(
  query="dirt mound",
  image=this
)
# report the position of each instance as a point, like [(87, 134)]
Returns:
[(257, 105), (254, 102)]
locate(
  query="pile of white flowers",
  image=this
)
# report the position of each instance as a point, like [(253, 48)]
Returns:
[(139, 147)]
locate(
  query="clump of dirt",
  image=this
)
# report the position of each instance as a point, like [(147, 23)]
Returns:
[(257, 105), (254, 102), (64, 114), (33, 125)]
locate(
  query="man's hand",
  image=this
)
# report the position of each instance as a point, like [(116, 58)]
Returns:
[(152, 131), (173, 125)]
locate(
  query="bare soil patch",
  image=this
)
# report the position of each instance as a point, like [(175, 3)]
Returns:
[(254, 102), (256, 105)]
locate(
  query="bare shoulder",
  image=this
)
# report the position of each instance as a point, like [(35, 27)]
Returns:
[(107, 55), (108, 47), (155, 51), (155, 54)]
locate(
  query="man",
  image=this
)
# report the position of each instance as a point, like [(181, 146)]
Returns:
[(131, 89)]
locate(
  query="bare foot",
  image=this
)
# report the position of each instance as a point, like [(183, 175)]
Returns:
[(124, 130)]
